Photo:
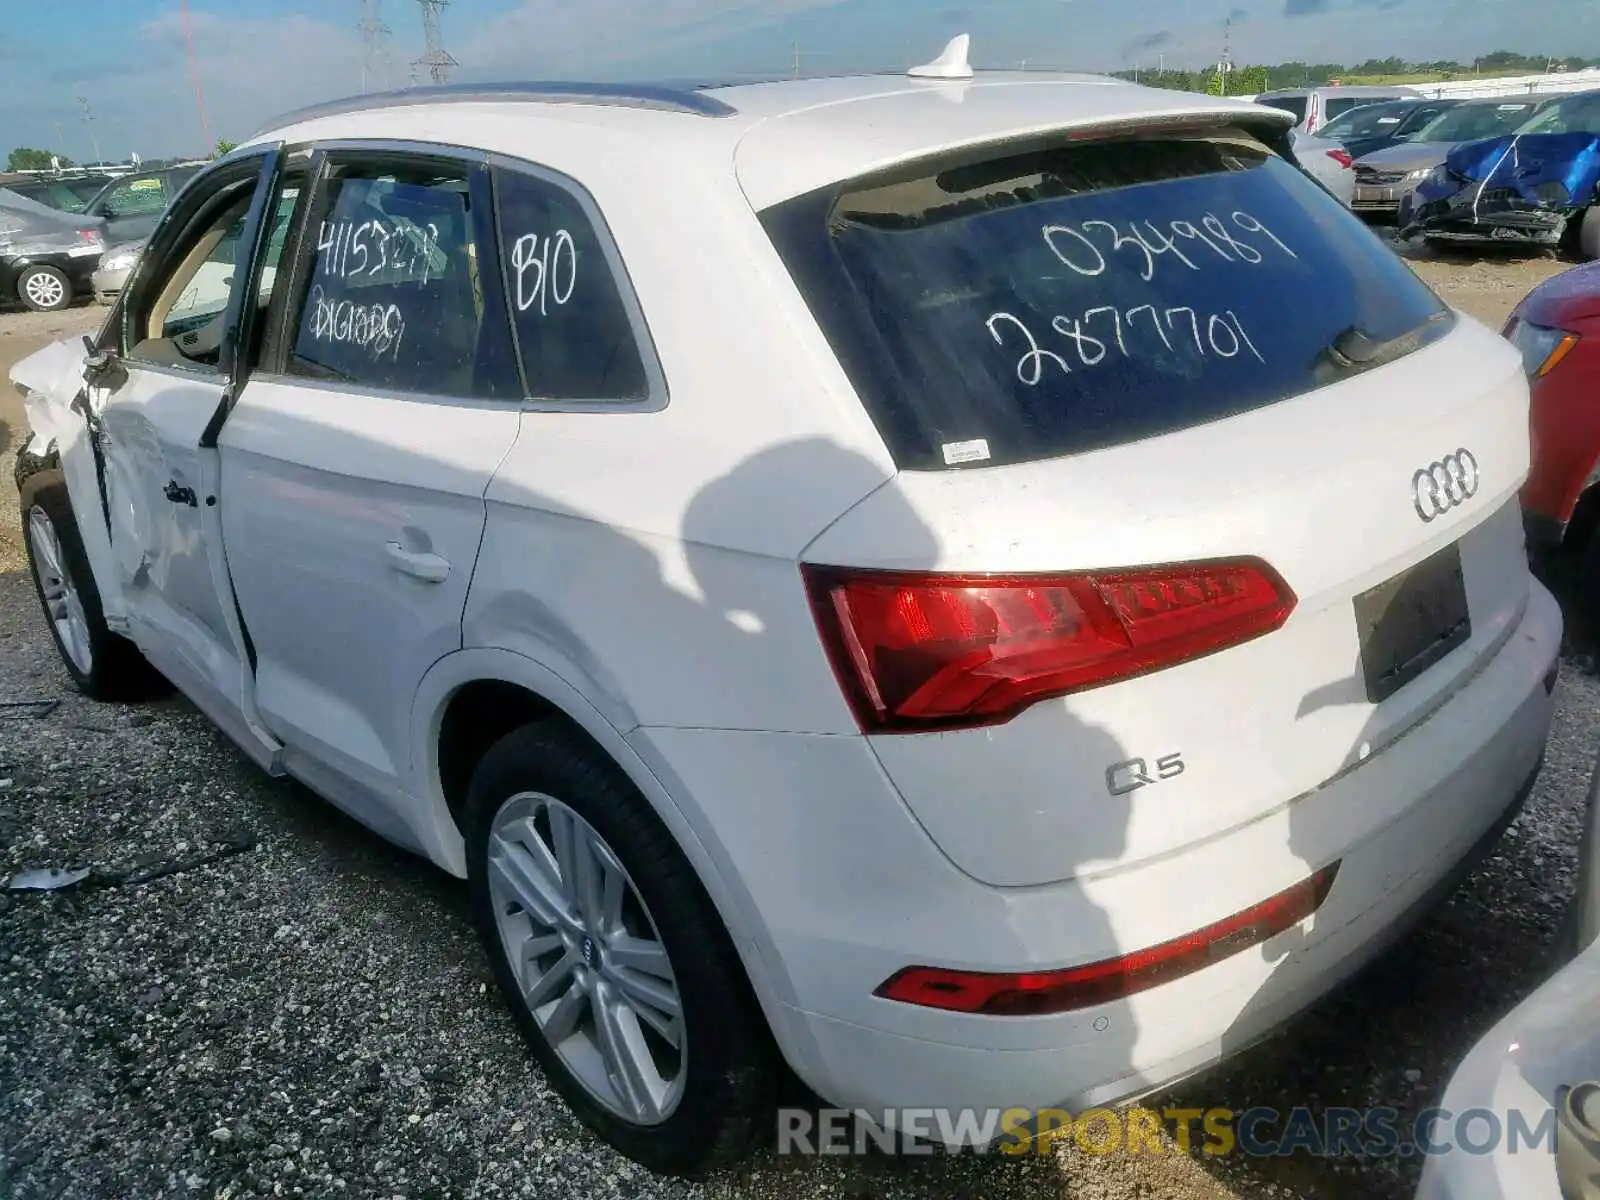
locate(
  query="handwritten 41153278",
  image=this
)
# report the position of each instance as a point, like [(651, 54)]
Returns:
[(1086, 250)]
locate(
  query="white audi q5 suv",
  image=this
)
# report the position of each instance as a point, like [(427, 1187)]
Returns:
[(888, 575)]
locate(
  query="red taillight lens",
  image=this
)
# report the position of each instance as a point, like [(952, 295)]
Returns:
[(1040, 992), (1342, 157), (90, 237), (918, 651)]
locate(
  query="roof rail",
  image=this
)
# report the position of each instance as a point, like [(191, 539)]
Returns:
[(622, 95)]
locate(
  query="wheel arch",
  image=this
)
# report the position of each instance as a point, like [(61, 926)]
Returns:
[(35, 470), (470, 682)]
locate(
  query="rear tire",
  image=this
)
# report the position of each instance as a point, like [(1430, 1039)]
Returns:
[(1589, 234), (103, 665), (1588, 585), (44, 289), (623, 927)]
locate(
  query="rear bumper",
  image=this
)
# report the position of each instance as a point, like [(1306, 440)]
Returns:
[(846, 889)]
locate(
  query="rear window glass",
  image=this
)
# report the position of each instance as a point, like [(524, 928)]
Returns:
[(1086, 295), (1469, 122)]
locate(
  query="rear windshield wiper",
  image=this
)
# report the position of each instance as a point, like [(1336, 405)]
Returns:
[(1355, 350)]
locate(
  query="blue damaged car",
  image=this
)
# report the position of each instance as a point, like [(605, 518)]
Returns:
[(1538, 186)]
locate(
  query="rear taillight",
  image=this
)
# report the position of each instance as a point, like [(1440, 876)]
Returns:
[(917, 651), (91, 237), (1035, 993), (1342, 157)]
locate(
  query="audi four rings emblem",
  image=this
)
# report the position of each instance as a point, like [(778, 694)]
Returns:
[(1441, 486)]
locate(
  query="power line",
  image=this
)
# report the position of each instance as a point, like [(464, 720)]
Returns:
[(435, 58), (88, 119)]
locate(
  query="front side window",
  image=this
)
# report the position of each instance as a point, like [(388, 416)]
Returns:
[(184, 303), (1027, 305), (395, 298), (573, 330)]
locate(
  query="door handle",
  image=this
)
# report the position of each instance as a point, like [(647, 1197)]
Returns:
[(420, 564), (180, 495)]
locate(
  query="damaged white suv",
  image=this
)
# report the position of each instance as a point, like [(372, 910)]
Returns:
[(886, 574)]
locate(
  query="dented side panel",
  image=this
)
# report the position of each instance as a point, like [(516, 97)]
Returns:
[(58, 404)]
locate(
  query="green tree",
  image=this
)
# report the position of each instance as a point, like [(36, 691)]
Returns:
[(1248, 81), (224, 147), (26, 158)]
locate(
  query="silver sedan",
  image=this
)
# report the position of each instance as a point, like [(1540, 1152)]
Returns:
[(1327, 162), (116, 264)]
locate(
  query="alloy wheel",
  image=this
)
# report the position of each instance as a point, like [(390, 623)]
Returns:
[(44, 289), (62, 603), (588, 958)]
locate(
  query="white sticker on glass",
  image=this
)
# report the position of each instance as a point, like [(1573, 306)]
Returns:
[(964, 452)]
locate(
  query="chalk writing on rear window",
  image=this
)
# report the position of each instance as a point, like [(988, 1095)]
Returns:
[(1086, 338)]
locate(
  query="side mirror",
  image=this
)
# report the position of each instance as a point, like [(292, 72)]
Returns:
[(102, 368)]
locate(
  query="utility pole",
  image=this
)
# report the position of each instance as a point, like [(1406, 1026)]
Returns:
[(1225, 67), (435, 58), (88, 119), (375, 42), (797, 60), (194, 75)]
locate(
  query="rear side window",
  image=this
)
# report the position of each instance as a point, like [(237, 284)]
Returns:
[(1289, 104), (573, 330), (396, 297), (1335, 108), (1086, 295)]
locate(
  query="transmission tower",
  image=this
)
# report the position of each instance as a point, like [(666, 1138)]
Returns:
[(375, 61), (435, 58)]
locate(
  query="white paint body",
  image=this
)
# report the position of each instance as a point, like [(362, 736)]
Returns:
[(639, 570)]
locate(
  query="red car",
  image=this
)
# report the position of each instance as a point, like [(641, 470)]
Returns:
[(1557, 328)]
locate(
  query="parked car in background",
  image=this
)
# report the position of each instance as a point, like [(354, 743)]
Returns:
[(1386, 178), (132, 205), (1328, 162), (1533, 187), (115, 265), (1557, 329), (1313, 107), (1537, 1071), (68, 193), (1371, 127), (46, 256)]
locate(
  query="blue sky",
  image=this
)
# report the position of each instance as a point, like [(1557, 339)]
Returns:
[(261, 57)]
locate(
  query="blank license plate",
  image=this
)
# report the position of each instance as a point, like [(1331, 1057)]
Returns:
[(1410, 622)]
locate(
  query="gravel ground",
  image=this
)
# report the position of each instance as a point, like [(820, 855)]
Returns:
[(312, 1016)]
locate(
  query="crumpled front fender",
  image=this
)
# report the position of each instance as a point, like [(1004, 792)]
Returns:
[(1523, 187)]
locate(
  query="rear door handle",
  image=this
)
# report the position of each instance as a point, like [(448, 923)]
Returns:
[(430, 568)]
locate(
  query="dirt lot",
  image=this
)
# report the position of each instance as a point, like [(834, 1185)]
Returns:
[(313, 1017)]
